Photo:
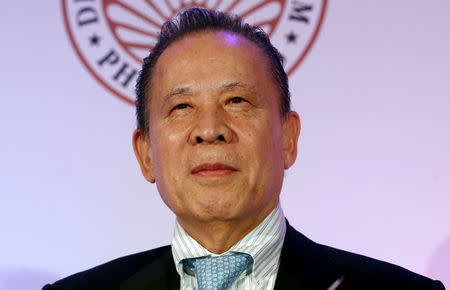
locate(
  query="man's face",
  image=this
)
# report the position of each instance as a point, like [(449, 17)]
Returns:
[(217, 146)]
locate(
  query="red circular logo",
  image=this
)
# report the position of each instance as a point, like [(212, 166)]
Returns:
[(111, 37)]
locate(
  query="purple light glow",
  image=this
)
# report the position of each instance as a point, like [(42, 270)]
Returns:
[(231, 38)]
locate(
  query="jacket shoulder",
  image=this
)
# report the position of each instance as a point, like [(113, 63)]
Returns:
[(109, 275), (359, 270), (318, 266)]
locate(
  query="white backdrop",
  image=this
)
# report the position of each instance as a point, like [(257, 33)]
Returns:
[(373, 175)]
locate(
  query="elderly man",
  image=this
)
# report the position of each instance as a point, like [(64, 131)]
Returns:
[(215, 133)]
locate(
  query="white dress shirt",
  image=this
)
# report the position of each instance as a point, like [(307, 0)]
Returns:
[(263, 243)]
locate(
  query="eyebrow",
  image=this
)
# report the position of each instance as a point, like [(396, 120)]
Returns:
[(233, 85), (175, 92), (226, 87)]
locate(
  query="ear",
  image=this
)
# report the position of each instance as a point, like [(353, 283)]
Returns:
[(291, 132), (143, 152)]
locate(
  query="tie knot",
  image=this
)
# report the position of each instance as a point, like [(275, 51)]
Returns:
[(217, 272)]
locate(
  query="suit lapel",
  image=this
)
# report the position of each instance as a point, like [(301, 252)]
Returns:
[(303, 264), (159, 274)]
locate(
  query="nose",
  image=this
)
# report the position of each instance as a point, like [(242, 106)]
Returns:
[(211, 128)]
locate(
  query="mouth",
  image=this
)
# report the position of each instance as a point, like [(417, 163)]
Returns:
[(213, 170)]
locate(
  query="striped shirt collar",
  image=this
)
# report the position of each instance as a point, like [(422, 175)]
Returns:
[(263, 243)]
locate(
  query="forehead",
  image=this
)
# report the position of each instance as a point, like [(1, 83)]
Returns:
[(210, 54), (202, 41)]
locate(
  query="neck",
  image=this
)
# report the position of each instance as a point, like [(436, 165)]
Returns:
[(218, 236)]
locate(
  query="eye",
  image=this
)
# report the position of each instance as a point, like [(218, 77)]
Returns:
[(236, 100), (180, 107)]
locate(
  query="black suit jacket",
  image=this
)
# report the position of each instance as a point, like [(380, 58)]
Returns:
[(304, 264)]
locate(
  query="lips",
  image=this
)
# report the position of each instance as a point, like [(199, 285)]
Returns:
[(213, 170)]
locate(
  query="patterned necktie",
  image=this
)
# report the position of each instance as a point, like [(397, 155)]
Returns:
[(217, 272)]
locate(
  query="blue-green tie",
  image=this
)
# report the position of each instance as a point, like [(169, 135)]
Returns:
[(217, 272)]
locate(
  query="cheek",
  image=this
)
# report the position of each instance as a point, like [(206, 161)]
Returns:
[(271, 148), (166, 151), (167, 171), (268, 136), (261, 146)]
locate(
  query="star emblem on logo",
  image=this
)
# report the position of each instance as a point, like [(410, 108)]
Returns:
[(291, 37), (94, 39)]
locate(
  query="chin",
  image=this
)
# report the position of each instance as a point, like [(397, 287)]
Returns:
[(218, 210)]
